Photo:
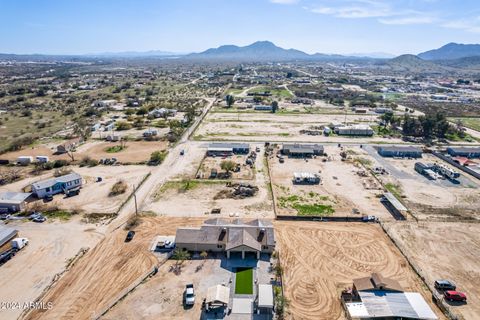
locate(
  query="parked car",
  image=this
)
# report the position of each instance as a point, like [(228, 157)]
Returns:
[(39, 219), (72, 193), (451, 295), (182, 152), (130, 236), (445, 285), (99, 179), (48, 198), (4, 216), (189, 295)]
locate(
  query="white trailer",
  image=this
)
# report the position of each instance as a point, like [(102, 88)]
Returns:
[(19, 243)]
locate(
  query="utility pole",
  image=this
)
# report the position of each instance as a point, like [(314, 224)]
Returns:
[(135, 199)]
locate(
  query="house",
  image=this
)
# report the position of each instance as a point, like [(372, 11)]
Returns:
[(379, 297), (354, 130), (222, 149), (401, 152), (68, 145), (104, 103), (235, 237), (56, 185), (468, 152), (162, 112), (13, 201), (302, 150)]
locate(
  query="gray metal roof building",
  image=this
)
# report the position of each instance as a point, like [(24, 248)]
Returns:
[(400, 151), (297, 149), (7, 234)]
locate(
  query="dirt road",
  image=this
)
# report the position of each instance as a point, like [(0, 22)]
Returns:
[(105, 271)]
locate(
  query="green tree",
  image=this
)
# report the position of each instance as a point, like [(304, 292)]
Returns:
[(274, 106), (230, 100), (228, 165), (180, 255)]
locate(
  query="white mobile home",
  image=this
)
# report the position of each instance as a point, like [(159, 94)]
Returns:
[(57, 185)]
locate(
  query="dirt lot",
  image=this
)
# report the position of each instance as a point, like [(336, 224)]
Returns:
[(443, 250), (161, 297), (135, 152), (195, 197), (51, 245), (322, 259), (105, 271), (341, 187), (430, 199), (263, 126), (209, 163)]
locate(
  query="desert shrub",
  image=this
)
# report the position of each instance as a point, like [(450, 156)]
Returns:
[(119, 187)]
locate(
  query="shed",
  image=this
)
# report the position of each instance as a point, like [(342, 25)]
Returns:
[(13, 201), (218, 295), (265, 296)]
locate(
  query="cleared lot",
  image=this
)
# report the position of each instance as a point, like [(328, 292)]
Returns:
[(135, 151), (195, 197), (106, 270), (321, 259), (443, 250), (345, 186), (23, 278), (261, 126)]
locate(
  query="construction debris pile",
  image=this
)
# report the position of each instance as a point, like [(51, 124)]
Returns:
[(237, 191)]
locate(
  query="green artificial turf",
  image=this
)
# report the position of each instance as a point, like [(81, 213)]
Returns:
[(244, 281)]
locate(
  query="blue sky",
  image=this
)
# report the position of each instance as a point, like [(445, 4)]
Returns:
[(328, 26)]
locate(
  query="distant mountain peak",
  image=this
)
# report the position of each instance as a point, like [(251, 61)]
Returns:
[(452, 51)]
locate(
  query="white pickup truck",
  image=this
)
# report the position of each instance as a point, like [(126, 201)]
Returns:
[(189, 295)]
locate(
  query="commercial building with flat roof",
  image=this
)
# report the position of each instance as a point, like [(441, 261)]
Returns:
[(400, 151)]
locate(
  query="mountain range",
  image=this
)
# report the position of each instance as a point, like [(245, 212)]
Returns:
[(259, 51), (448, 57), (452, 51)]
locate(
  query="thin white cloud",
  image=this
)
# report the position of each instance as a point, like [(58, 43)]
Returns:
[(470, 25), (408, 20), (284, 1)]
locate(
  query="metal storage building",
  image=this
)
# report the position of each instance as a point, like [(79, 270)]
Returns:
[(227, 148), (402, 152), (302, 150), (468, 152)]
